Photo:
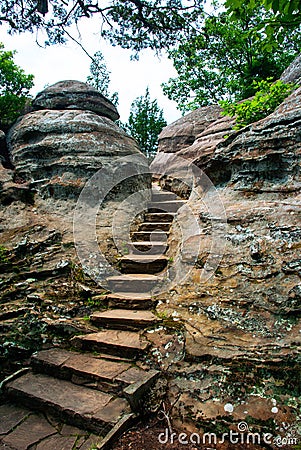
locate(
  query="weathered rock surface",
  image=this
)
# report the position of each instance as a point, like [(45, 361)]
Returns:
[(46, 433), (201, 136), (58, 151), (183, 132), (72, 94), (243, 324), (2, 144), (293, 73), (264, 156), (45, 293)]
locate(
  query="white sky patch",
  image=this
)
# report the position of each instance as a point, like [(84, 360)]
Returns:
[(69, 62)]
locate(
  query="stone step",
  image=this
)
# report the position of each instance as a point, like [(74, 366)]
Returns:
[(170, 206), (77, 405), (154, 226), (159, 217), (156, 236), (138, 283), (130, 300), (93, 372), (124, 319), (144, 264), (148, 247), (128, 344), (163, 196), (80, 368)]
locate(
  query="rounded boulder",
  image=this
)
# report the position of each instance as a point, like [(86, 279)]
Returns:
[(72, 94)]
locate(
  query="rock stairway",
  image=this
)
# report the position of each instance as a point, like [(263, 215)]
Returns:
[(99, 387)]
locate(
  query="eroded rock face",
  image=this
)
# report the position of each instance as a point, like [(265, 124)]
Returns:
[(184, 131), (262, 156), (293, 73), (194, 140), (58, 151), (243, 324), (72, 94), (45, 288)]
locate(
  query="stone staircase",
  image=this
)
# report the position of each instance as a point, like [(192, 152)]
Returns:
[(99, 386)]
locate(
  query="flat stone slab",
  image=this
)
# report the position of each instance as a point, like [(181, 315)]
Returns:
[(155, 236), (145, 264), (124, 318), (166, 206), (147, 247), (116, 342), (127, 300), (81, 369), (11, 416), (162, 196), (154, 226), (80, 406), (38, 431), (57, 443), (159, 217), (138, 283), (29, 432)]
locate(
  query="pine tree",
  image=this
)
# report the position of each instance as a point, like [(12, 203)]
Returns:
[(145, 123), (100, 77)]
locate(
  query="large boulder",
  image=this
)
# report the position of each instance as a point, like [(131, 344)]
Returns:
[(58, 151), (72, 94)]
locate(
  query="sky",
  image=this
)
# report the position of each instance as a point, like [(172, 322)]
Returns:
[(69, 62)]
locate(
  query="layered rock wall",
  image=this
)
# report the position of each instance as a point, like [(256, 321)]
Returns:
[(242, 326), (55, 150)]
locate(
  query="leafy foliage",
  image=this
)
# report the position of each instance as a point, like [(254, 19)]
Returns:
[(145, 123), (100, 77), (135, 24), (268, 96), (14, 88), (287, 13), (226, 57)]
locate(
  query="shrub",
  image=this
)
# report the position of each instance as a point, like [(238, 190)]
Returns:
[(268, 96)]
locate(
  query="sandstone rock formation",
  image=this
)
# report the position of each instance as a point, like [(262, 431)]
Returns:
[(183, 132), (72, 94), (44, 289), (293, 73), (242, 327), (57, 151)]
